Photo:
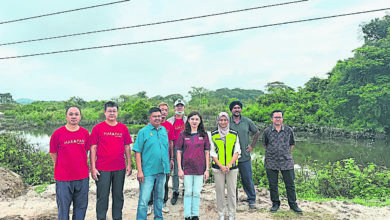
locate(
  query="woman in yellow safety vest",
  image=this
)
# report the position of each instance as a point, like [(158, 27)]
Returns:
[(225, 150)]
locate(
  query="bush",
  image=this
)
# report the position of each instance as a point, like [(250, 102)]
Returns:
[(33, 166)]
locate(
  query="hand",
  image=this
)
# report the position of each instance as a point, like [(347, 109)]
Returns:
[(224, 169), (181, 174), (249, 149), (206, 175), (95, 173), (171, 165), (140, 176), (128, 170)]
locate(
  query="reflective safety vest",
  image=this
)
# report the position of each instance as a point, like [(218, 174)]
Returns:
[(225, 151)]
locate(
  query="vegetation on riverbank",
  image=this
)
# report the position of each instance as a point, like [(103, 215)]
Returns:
[(341, 180)]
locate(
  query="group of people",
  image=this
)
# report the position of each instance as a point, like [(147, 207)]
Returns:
[(179, 145)]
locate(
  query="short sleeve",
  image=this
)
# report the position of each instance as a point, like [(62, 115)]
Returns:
[(127, 137), (87, 141), (206, 143), (94, 138), (139, 142), (292, 138), (265, 138), (252, 126), (180, 141), (54, 142)]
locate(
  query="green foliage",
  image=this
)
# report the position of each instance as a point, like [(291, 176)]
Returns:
[(24, 159)]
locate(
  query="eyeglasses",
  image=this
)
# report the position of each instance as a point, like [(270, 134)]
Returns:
[(112, 111), (278, 118)]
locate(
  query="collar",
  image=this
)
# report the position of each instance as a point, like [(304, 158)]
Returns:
[(152, 127), (274, 129)]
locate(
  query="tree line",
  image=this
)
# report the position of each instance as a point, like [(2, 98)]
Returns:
[(354, 95)]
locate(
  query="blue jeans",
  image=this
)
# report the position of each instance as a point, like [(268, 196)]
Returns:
[(144, 196), (245, 169), (192, 187), (75, 191)]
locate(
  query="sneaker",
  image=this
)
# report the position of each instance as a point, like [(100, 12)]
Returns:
[(187, 218), (274, 208), (150, 208), (296, 209), (252, 206), (221, 217), (232, 218), (175, 196), (195, 218), (165, 208)]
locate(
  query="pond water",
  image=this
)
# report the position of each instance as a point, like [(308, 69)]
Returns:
[(322, 150)]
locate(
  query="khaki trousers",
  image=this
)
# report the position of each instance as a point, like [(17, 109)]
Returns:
[(231, 184)]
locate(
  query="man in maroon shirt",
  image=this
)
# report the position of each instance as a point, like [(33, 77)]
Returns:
[(110, 141), (69, 146), (178, 121)]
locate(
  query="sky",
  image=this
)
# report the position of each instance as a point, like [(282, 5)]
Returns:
[(248, 59)]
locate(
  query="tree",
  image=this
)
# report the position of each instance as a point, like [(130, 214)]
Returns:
[(376, 29), (277, 85), (199, 95)]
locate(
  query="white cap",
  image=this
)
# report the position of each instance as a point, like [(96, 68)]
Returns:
[(179, 101)]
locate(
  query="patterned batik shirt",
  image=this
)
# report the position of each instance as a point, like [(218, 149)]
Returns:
[(278, 148)]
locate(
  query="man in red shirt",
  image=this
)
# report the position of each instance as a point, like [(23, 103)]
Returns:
[(167, 125), (110, 141), (178, 121), (69, 146)]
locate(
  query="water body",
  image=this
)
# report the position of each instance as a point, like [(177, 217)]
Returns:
[(325, 150), (322, 150)]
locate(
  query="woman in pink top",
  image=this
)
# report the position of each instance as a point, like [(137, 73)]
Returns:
[(195, 145)]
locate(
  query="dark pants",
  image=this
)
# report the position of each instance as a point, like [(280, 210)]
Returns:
[(245, 169), (288, 178), (103, 185), (165, 191), (75, 191)]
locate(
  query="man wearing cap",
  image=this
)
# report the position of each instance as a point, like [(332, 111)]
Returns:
[(244, 126), (178, 121)]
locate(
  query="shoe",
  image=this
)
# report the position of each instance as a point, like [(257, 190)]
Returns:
[(232, 218), (195, 218), (188, 218), (296, 209), (175, 196), (150, 208), (165, 208), (274, 208), (252, 206), (221, 217)]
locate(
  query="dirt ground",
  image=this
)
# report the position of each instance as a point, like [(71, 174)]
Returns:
[(43, 206)]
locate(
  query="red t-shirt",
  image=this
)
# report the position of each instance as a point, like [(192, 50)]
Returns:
[(110, 141), (178, 127), (71, 148), (167, 125)]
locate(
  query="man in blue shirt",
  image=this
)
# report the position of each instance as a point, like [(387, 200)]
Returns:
[(151, 156)]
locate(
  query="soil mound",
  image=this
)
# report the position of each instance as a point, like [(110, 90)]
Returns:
[(11, 184)]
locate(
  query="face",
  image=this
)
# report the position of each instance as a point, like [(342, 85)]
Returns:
[(179, 108), (164, 112), (111, 113), (277, 118), (223, 122), (73, 116), (155, 119), (194, 121), (236, 111)]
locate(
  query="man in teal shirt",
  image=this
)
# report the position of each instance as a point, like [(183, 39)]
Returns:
[(151, 156)]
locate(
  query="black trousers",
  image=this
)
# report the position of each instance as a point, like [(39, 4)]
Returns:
[(165, 192), (288, 178), (114, 180)]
